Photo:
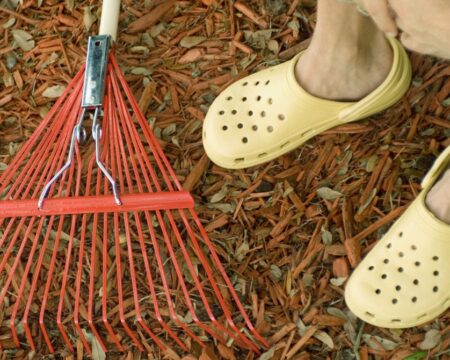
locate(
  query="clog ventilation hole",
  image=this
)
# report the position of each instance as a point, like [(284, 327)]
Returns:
[(268, 127), (396, 301)]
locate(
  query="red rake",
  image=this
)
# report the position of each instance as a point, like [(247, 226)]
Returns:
[(98, 240)]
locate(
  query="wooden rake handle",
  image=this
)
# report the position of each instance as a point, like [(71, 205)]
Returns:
[(110, 18)]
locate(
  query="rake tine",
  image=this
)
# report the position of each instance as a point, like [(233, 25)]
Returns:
[(48, 284), (50, 166), (219, 265), (125, 115), (91, 283), (158, 257), (19, 254), (156, 150), (105, 254), (199, 252), (152, 288), (54, 255), (78, 285), (105, 286), (24, 151), (24, 282), (120, 152), (134, 285), (119, 285), (78, 281), (138, 222), (116, 169), (180, 278), (214, 285), (126, 119), (62, 296), (38, 157), (199, 287), (94, 243), (37, 273)]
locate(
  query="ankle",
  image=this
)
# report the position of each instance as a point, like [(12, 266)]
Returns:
[(438, 198), (348, 56), (348, 73)]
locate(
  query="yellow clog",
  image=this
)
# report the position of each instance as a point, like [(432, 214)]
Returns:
[(404, 281), (267, 114)]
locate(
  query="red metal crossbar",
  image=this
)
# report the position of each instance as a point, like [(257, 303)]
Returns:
[(97, 204)]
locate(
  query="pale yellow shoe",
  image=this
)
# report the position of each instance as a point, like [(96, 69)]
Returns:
[(404, 281), (267, 114)]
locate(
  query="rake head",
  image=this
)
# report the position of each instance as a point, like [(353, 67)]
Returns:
[(77, 266)]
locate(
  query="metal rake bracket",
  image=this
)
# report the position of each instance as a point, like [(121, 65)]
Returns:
[(93, 94), (79, 134)]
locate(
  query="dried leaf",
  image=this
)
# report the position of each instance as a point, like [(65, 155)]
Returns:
[(157, 29), (10, 22), (53, 92), (241, 251), (140, 50), (169, 130), (70, 4), (328, 194), (97, 351), (273, 46), (23, 39), (308, 279), (141, 71), (225, 208), (327, 237), (374, 342), (432, 339), (371, 163), (268, 355), (51, 60), (122, 238), (337, 312), (338, 281), (276, 272), (325, 338), (191, 41), (219, 195), (88, 18), (364, 206)]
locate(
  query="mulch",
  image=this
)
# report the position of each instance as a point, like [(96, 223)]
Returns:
[(289, 232)]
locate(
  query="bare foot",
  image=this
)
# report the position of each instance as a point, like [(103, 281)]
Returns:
[(345, 73), (348, 57), (438, 198)]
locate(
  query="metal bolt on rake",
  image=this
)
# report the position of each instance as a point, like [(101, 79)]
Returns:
[(99, 240)]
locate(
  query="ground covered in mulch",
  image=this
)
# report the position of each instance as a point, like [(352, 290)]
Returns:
[(289, 232)]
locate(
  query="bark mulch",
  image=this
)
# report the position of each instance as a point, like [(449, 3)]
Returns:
[(289, 232)]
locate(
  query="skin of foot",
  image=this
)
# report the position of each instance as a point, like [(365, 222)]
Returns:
[(381, 13), (438, 198), (348, 56), (425, 25)]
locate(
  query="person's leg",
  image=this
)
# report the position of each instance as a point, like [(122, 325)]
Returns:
[(438, 199), (348, 56)]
